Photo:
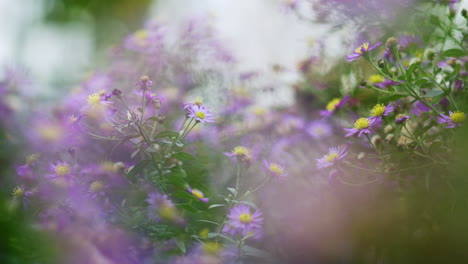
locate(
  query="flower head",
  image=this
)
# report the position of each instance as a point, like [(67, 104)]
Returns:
[(200, 113), (318, 129), (362, 50), (334, 155), (454, 119), (241, 221), (334, 105), (162, 208), (364, 126), (275, 170), (60, 169), (241, 153), (382, 110), (198, 194), (400, 118)]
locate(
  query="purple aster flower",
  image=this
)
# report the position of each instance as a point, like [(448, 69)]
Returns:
[(162, 208), (454, 119), (275, 170), (59, 169), (334, 155), (318, 129), (380, 110), (420, 108), (200, 113), (198, 194), (362, 50), (241, 221), (458, 85), (334, 105), (364, 126), (144, 83), (401, 118), (241, 153)]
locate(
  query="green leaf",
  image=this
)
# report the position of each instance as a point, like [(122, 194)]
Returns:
[(169, 134), (247, 203), (232, 190), (215, 205), (183, 156), (433, 93), (411, 69), (421, 82), (139, 167), (184, 195), (212, 235), (208, 221), (181, 246), (454, 53), (434, 20)]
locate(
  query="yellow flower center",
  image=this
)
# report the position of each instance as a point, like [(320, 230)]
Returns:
[(276, 169), (109, 166), (32, 158), (361, 123), (96, 186), (141, 34), (198, 101), (50, 132), (331, 106), (245, 218), (204, 233), (376, 78), (378, 110), (331, 156), (457, 116), (212, 247), (167, 212), (200, 115), (197, 193), (364, 46), (94, 99), (241, 151), (17, 192), (62, 169)]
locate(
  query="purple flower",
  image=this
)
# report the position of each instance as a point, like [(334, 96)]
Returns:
[(334, 155), (401, 118), (420, 108), (334, 105), (275, 170), (318, 129), (241, 221), (198, 194), (364, 126), (241, 153), (59, 169), (145, 83), (380, 110), (200, 113), (454, 119), (362, 50), (162, 208)]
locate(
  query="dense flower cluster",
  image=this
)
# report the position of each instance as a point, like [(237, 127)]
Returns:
[(128, 168)]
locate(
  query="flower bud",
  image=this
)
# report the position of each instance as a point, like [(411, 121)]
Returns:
[(376, 140), (429, 54), (381, 63), (388, 129), (117, 93), (361, 156), (392, 42), (389, 138), (161, 119)]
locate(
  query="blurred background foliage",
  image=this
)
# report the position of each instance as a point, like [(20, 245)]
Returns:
[(107, 17)]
